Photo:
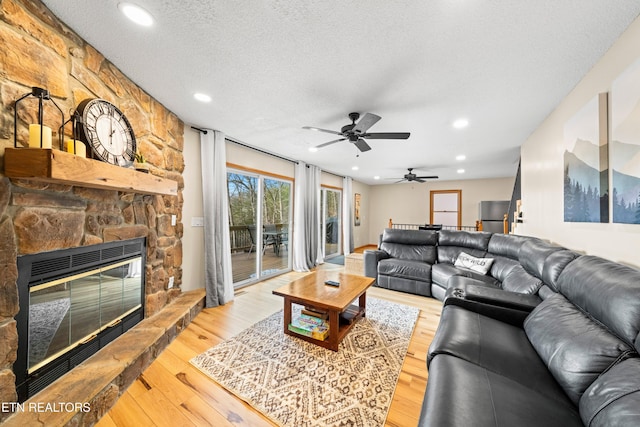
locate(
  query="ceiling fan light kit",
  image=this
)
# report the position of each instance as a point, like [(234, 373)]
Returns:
[(356, 133)]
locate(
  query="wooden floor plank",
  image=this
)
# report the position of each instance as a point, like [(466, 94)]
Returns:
[(173, 392), (128, 412), (161, 410), (201, 414)]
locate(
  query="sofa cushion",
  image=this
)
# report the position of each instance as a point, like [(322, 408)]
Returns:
[(555, 264), (479, 265), (466, 239), (533, 254), (451, 243), (414, 245), (405, 269), (501, 266), (409, 237), (410, 252), (608, 291), (462, 394), (518, 280), (506, 245), (442, 272), (497, 346), (575, 348), (614, 398)]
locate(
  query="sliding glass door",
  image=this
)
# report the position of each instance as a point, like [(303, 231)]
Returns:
[(331, 201), (276, 218), (259, 222)]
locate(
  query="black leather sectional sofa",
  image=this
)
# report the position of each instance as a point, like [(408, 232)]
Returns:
[(547, 337)]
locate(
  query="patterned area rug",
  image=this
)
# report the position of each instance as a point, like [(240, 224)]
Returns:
[(296, 383)]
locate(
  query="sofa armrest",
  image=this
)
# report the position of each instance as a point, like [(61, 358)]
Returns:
[(371, 259), (508, 307)]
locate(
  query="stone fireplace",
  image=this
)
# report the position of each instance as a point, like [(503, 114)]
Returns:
[(36, 217)]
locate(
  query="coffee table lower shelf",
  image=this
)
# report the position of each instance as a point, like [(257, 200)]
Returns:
[(334, 339)]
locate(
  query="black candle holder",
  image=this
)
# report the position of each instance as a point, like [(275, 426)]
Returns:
[(75, 119), (42, 95)]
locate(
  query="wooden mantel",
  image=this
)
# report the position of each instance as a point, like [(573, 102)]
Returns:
[(59, 167)]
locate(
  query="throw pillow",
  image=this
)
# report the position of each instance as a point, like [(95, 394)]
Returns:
[(479, 265)]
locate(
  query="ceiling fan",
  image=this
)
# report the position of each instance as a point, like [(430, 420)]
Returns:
[(409, 177), (356, 133)]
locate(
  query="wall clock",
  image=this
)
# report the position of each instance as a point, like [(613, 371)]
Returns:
[(107, 131)]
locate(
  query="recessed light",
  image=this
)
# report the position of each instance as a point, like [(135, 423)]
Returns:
[(136, 14), (202, 97), (460, 170), (355, 168), (461, 123), (313, 149), (461, 157), (376, 177)]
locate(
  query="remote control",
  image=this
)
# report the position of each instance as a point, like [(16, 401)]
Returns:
[(332, 283)]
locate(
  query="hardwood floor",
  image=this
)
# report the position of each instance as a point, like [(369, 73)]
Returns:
[(171, 392)]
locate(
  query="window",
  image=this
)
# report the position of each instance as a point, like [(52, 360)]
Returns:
[(445, 208)]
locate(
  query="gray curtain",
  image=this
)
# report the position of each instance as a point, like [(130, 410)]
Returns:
[(217, 244), (307, 246), (347, 215)]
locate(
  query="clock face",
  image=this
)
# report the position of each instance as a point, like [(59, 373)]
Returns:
[(107, 131)]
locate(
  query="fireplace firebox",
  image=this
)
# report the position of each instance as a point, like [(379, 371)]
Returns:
[(73, 302)]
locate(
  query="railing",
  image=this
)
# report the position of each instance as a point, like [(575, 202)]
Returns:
[(240, 238), (477, 227)]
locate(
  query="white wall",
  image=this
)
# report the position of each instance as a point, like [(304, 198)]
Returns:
[(542, 167), (193, 237), (254, 160), (409, 203)]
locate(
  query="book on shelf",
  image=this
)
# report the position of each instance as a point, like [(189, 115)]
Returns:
[(349, 314), (311, 311), (310, 326)]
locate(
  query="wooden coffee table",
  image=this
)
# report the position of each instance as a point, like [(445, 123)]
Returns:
[(311, 291)]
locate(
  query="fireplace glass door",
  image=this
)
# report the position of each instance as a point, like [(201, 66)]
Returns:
[(67, 312)]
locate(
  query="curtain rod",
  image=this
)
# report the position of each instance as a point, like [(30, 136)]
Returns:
[(235, 141), (242, 144), (199, 130)]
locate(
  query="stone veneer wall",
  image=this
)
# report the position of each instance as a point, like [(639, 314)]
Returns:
[(37, 49)]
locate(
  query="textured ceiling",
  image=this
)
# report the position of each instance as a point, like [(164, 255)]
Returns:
[(274, 66)]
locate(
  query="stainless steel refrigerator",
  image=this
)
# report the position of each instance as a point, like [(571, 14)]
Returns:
[(492, 215)]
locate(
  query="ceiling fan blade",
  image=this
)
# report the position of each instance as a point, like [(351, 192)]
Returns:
[(321, 130), (362, 145), (330, 142), (419, 180), (366, 122), (387, 135), (428, 177)]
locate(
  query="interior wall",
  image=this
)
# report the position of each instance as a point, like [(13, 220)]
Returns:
[(409, 203), (361, 232), (543, 167), (252, 159), (193, 237)]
